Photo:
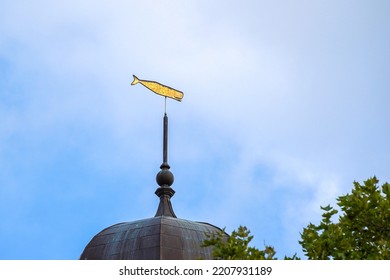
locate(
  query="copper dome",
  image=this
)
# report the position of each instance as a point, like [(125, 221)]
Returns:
[(158, 238)]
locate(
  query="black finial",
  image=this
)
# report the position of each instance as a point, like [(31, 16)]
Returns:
[(165, 179)]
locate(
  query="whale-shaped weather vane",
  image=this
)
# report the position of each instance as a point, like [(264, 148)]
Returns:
[(159, 89)]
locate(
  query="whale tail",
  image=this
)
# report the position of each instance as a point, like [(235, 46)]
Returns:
[(136, 80)]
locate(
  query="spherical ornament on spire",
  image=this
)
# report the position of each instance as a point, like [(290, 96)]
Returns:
[(164, 178)]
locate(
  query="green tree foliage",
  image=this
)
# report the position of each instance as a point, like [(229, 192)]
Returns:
[(236, 246), (362, 230)]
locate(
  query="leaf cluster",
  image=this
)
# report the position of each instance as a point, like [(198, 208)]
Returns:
[(236, 246), (362, 230)]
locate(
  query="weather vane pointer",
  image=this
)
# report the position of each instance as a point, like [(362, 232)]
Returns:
[(159, 89)]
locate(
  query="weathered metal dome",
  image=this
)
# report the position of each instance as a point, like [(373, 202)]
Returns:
[(163, 237), (158, 238)]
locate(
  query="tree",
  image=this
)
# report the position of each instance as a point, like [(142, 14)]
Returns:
[(362, 230), (236, 246)]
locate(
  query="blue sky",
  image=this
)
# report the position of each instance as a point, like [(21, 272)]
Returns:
[(286, 104)]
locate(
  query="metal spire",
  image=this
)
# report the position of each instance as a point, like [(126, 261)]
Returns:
[(165, 179)]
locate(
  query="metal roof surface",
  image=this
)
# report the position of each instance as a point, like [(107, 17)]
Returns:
[(158, 238)]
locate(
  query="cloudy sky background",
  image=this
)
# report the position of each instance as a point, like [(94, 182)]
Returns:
[(286, 104)]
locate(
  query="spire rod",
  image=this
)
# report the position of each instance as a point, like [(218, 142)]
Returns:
[(165, 140), (165, 179)]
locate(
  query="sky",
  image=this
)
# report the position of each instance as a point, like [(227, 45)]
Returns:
[(286, 104)]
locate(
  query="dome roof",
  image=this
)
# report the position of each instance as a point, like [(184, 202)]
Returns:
[(163, 237), (158, 238)]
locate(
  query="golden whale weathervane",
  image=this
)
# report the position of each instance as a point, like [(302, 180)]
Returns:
[(159, 89)]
